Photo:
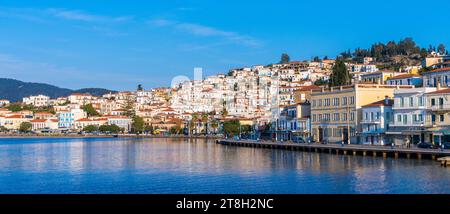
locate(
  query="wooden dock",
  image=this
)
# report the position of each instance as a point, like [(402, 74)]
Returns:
[(347, 149)]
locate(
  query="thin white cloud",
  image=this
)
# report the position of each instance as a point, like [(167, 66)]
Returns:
[(78, 15), (207, 31)]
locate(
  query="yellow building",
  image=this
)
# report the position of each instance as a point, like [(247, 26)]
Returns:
[(438, 119), (378, 77), (336, 112)]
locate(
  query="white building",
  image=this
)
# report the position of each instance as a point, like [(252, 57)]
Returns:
[(4, 102), (39, 100), (375, 121), (409, 113)]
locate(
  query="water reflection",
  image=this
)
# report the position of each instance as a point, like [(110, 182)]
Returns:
[(200, 166)]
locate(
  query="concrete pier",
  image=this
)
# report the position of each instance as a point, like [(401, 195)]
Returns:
[(355, 149)]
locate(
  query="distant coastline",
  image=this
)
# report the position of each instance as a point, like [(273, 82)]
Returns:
[(102, 136)]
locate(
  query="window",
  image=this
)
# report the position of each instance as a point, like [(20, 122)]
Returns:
[(411, 101), (366, 116), (433, 102), (378, 116), (420, 119), (405, 119), (336, 116), (319, 102), (314, 103), (399, 118), (344, 116), (441, 101), (352, 116), (414, 118), (420, 101), (441, 118), (402, 102), (336, 101), (352, 100), (344, 100), (433, 118), (314, 118)]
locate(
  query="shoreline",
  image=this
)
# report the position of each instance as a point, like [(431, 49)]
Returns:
[(107, 136)]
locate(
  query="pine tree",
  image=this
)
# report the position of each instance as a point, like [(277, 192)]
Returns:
[(340, 75)]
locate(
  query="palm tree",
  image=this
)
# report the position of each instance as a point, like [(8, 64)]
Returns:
[(194, 121), (205, 117), (215, 125)]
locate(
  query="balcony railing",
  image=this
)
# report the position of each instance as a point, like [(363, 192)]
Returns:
[(440, 107)]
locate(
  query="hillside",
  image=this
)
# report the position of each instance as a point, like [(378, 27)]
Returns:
[(15, 90)]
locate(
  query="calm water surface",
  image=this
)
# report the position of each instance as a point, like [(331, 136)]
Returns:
[(200, 166)]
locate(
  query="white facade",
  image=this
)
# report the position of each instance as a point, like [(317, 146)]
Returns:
[(38, 101)]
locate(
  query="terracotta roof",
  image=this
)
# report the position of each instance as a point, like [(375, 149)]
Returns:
[(403, 76), (309, 88), (14, 116), (84, 120), (38, 120), (381, 103), (443, 91), (437, 70)]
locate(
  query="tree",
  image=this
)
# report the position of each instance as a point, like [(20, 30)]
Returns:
[(423, 53), (441, 49), (205, 118), (90, 129), (90, 110), (110, 128), (25, 127), (137, 124), (340, 75), (325, 58), (175, 130), (285, 58), (148, 129), (317, 59), (14, 107), (320, 82), (3, 129), (215, 125), (224, 113), (231, 127), (194, 122), (139, 88)]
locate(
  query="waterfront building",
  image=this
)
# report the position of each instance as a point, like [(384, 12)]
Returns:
[(294, 123), (434, 59), (440, 75), (409, 114), (44, 124), (12, 122), (80, 124), (120, 121), (68, 118), (375, 121), (38, 101), (405, 79), (336, 112), (438, 119)]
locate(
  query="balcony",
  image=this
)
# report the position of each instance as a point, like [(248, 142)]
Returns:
[(440, 108), (376, 121)]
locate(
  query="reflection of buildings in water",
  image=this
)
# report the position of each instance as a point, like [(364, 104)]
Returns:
[(369, 177)]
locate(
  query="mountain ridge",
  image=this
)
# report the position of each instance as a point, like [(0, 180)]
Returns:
[(14, 90)]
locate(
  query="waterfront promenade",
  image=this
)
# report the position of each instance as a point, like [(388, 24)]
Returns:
[(347, 149)]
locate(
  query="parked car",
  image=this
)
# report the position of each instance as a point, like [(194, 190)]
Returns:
[(424, 145)]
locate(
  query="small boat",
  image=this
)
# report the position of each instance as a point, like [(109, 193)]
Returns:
[(116, 135)]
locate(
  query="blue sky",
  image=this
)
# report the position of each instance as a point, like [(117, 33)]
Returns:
[(119, 44)]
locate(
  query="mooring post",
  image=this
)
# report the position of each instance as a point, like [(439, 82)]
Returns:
[(384, 155), (354, 153), (396, 155), (345, 152), (364, 153)]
